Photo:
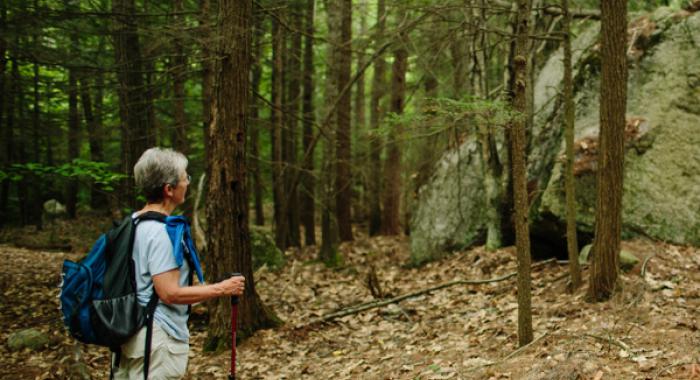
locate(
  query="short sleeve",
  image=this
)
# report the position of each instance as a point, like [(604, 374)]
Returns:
[(160, 252)]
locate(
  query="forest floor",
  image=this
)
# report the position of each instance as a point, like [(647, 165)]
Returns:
[(648, 330)]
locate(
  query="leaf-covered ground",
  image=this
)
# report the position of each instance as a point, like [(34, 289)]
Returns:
[(649, 330)]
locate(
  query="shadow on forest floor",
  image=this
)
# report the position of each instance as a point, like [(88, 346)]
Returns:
[(649, 329)]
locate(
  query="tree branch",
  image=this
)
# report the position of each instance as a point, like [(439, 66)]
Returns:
[(372, 305)]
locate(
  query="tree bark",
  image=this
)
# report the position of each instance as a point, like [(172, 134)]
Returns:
[(133, 108), (73, 131), (518, 141), (205, 25), (343, 178), (36, 193), (256, 122), (293, 107), (227, 202), (22, 138), (279, 198), (97, 198), (490, 162), (308, 182), (328, 253), (360, 156), (178, 70), (391, 219), (613, 105), (569, 117), (378, 90), (4, 127), (154, 135)]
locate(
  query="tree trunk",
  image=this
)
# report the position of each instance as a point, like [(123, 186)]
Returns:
[(490, 162), (328, 253), (256, 123), (179, 71), (375, 153), (153, 135), (227, 201), (293, 107), (133, 108), (8, 136), (280, 209), (522, 234), (73, 136), (480, 51), (50, 136), (94, 129), (4, 127), (205, 24), (492, 172), (569, 117), (613, 104), (343, 178), (391, 219), (36, 196), (308, 182), (360, 154), (22, 138)]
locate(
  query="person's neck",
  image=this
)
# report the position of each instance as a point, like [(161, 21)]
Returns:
[(163, 208)]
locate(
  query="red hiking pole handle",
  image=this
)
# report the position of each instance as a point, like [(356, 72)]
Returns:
[(234, 325)]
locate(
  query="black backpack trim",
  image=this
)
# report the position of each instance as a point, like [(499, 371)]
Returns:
[(142, 315)]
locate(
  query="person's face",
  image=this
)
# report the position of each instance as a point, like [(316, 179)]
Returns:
[(180, 190)]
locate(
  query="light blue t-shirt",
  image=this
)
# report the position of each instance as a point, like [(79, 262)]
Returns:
[(153, 254)]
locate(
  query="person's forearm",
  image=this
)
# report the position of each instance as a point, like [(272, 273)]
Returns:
[(191, 294)]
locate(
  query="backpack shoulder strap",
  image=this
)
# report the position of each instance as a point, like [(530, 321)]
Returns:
[(152, 215), (150, 311)]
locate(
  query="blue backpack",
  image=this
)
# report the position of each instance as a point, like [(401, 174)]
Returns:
[(98, 293)]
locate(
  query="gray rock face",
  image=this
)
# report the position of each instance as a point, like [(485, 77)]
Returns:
[(29, 338), (450, 213), (662, 163)]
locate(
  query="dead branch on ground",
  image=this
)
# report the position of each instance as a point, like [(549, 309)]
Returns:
[(371, 305)]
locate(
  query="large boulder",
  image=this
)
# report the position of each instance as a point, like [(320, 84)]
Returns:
[(662, 161), (450, 213)]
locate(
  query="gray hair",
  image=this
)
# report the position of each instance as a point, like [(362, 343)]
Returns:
[(156, 167)]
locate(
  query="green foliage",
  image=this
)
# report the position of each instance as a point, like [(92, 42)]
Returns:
[(441, 114), (97, 172)]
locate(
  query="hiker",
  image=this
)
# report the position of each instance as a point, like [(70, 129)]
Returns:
[(161, 176)]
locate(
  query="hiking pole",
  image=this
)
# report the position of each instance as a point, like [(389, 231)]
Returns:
[(234, 325)]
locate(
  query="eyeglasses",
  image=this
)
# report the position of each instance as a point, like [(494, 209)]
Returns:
[(189, 180)]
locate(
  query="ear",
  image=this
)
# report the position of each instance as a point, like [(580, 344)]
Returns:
[(168, 190)]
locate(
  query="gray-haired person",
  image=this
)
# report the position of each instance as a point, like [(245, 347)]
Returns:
[(161, 175)]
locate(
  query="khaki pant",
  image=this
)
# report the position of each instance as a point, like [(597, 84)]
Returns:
[(168, 357)]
